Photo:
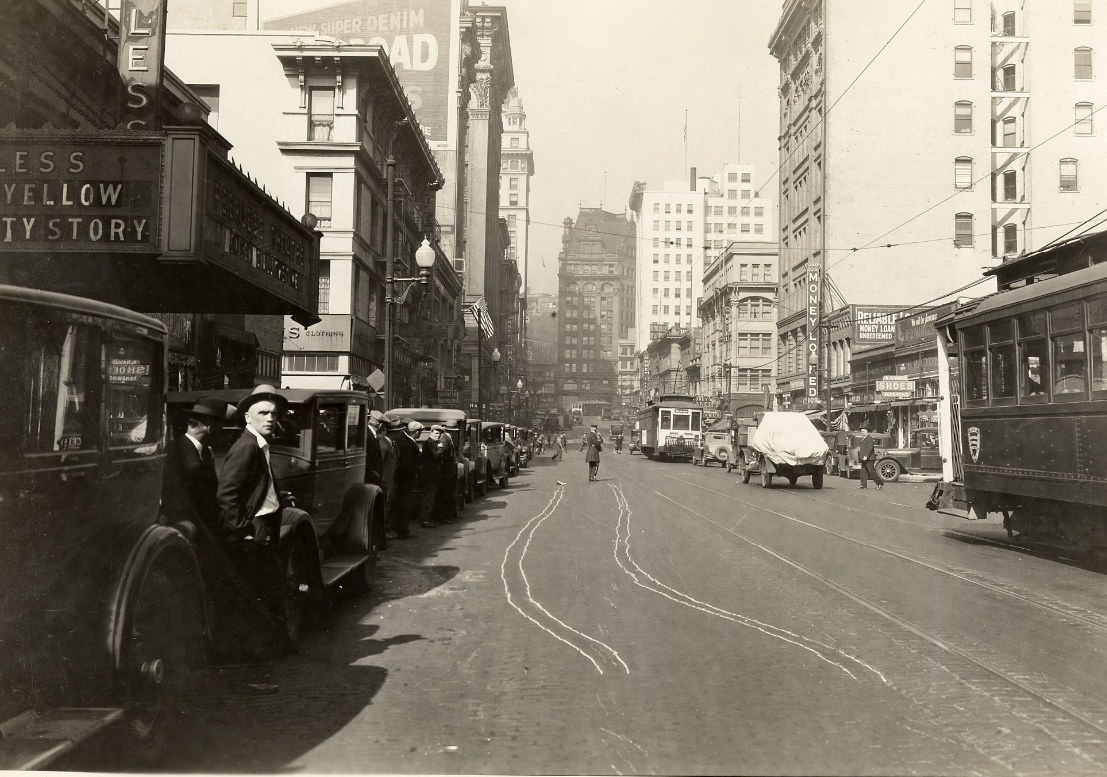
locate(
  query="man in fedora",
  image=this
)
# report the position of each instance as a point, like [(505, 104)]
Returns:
[(249, 504), (405, 505), (189, 488)]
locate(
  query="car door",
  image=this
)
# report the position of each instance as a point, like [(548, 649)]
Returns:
[(331, 461)]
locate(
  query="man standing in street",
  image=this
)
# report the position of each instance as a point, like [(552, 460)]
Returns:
[(404, 504), (381, 424), (375, 452), (430, 476), (190, 483), (594, 443), (866, 452), (249, 505), (446, 499)]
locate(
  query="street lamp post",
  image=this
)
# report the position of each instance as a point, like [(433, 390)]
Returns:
[(424, 258), (495, 373)]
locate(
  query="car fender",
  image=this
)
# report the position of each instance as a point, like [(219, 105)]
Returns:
[(362, 508)]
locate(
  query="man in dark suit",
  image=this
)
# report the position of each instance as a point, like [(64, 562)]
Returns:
[(405, 505), (249, 505), (866, 452), (189, 488), (594, 443), (374, 465)]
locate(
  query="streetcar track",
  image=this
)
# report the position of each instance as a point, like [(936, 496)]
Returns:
[(626, 562), (1045, 697), (528, 529), (1090, 619)]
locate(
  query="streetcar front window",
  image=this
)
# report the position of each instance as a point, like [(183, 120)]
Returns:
[(665, 419), (682, 422)]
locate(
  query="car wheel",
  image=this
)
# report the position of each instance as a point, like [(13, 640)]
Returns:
[(297, 582), (156, 663), (766, 479), (889, 470), (503, 482), (483, 488), (745, 469), (817, 480)]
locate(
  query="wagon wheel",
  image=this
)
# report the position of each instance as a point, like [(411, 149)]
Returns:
[(744, 466)]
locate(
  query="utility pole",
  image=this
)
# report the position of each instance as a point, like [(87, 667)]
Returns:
[(389, 271)]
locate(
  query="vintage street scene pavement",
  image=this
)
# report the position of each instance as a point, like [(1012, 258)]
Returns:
[(669, 619)]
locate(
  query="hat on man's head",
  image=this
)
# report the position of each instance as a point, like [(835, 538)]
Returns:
[(594, 426), (210, 408), (263, 393), (378, 416), (394, 421), (438, 428), (414, 427)]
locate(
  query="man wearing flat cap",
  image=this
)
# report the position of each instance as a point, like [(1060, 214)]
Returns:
[(430, 476), (249, 504), (379, 424), (445, 507), (190, 484)]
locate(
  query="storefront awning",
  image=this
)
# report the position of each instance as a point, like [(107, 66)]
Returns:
[(862, 408)]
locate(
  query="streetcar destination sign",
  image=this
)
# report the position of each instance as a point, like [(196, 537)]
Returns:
[(79, 193)]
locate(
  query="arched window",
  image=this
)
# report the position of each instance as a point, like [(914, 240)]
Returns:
[(962, 62), (962, 116), (962, 172), (962, 230), (1009, 24), (1010, 239), (1010, 132), (1084, 124), (1068, 175), (1082, 63)]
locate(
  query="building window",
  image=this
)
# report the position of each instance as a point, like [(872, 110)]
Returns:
[(515, 142), (962, 116), (1082, 11), (1010, 186), (1010, 239), (1084, 119), (962, 11), (320, 113), (319, 191), (962, 230), (759, 211), (324, 287), (657, 208), (513, 184), (759, 229), (513, 199), (962, 172), (962, 62), (1069, 181), (1007, 79), (1082, 63), (746, 178), (732, 178), (1010, 132), (1008, 21), (238, 9)]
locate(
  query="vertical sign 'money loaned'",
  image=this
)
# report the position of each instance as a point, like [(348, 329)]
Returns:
[(141, 56)]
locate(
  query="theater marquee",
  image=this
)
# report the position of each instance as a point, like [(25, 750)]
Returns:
[(80, 193)]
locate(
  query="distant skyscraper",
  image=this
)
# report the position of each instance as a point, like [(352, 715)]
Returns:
[(679, 226), (596, 300)]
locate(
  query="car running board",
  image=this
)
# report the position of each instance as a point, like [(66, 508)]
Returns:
[(32, 739), (336, 568)]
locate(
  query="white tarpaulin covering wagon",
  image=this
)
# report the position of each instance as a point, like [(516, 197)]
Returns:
[(788, 445)]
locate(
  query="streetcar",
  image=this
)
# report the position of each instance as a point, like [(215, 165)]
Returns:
[(1023, 410), (670, 428)]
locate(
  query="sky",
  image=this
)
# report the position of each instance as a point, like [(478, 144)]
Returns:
[(606, 86)]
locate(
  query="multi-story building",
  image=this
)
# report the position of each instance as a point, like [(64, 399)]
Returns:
[(596, 269), (996, 156), (516, 169), (224, 315), (542, 351), (681, 227), (323, 118), (738, 335)]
